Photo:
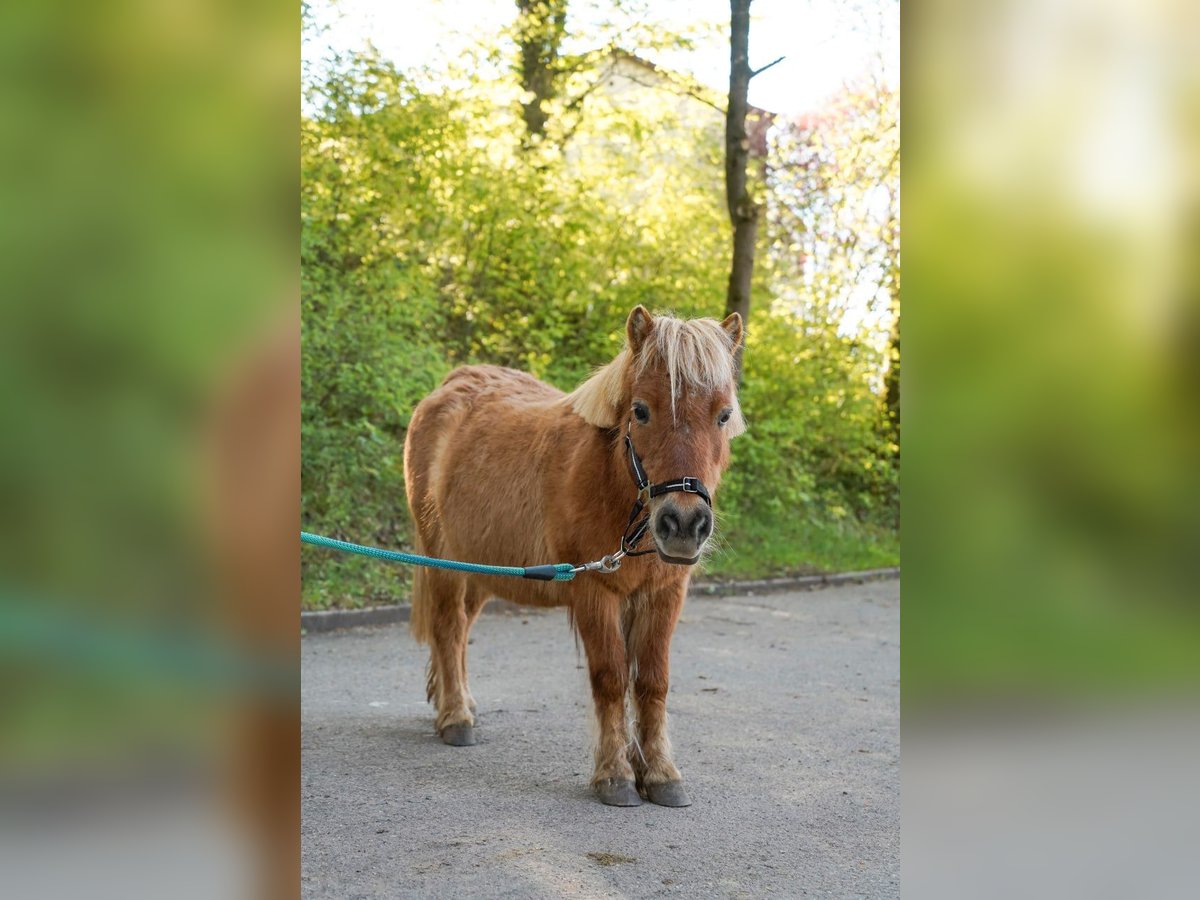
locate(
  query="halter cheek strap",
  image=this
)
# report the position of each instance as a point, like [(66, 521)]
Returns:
[(635, 530)]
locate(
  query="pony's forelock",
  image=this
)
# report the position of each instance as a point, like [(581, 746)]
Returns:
[(695, 352)]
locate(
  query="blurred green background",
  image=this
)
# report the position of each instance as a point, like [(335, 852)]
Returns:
[(147, 247), (1052, 461), (147, 171), (437, 230)]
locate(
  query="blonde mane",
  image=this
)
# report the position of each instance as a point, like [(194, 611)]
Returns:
[(695, 352)]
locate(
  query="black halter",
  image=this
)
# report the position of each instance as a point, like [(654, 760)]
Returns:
[(636, 530)]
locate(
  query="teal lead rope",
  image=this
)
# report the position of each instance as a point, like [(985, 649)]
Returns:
[(555, 572), (559, 571)]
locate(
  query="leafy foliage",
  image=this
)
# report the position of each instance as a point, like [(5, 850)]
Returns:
[(434, 235)]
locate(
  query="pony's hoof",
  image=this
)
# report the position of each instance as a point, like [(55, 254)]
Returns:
[(459, 735), (668, 793), (617, 792)]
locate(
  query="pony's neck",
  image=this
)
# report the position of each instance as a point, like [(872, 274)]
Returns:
[(618, 462), (616, 475)]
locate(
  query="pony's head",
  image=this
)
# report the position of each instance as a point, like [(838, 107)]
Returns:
[(674, 389)]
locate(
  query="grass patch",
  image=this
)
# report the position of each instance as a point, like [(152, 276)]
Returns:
[(801, 546), (345, 581)]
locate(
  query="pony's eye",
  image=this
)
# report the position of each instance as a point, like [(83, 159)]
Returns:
[(724, 417), (641, 412)]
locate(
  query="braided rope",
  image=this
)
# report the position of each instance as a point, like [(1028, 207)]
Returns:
[(562, 571)]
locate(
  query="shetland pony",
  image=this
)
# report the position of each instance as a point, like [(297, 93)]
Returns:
[(503, 469)]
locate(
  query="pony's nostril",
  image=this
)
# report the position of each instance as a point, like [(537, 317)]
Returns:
[(702, 525), (668, 525)]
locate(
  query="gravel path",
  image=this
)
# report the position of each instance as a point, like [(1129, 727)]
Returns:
[(785, 719)]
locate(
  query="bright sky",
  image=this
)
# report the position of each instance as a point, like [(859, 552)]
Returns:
[(826, 42)]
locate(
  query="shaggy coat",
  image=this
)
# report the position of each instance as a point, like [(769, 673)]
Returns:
[(503, 469)]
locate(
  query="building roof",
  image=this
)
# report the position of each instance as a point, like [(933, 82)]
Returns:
[(758, 120)]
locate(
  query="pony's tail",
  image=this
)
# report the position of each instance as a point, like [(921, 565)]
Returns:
[(420, 621)]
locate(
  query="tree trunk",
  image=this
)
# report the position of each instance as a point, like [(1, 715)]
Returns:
[(891, 383), (743, 212), (541, 25)]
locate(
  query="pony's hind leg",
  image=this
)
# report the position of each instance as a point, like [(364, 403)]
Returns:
[(474, 601), (447, 634)]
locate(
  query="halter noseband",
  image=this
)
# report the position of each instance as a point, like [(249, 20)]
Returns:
[(635, 530)]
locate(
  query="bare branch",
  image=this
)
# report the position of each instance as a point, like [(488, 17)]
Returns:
[(669, 83), (775, 62)]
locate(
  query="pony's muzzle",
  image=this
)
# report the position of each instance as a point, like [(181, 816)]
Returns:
[(680, 531)]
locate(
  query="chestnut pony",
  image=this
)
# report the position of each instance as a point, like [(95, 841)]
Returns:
[(503, 469)]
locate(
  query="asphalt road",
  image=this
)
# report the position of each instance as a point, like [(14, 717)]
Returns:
[(785, 720)]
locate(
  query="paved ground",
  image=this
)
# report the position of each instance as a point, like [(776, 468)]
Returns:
[(785, 718)]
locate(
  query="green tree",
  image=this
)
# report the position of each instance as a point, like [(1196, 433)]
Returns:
[(744, 209), (541, 26)]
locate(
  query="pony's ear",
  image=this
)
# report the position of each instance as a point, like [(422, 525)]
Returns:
[(732, 324), (637, 327)]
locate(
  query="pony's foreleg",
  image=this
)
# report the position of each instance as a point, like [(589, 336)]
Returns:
[(653, 623), (598, 621), (448, 640)]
